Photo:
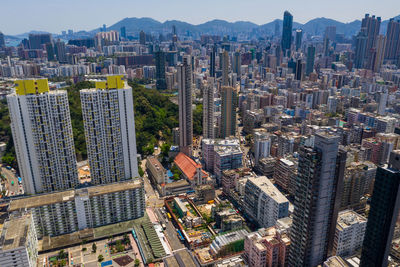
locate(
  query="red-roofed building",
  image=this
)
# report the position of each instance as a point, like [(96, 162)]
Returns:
[(190, 169)]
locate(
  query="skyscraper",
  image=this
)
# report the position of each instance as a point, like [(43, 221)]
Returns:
[(225, 68), (50, 51), (310, 59), (2, 41), (228, 111), (142, 38), (392, 50), (277, 29), (110, 136), (208, 109), (299, 70), (365, 52), (36, 40), (287, 32), (237, 63), (317, 200), (213, 55), (383, 214), (61, 52), (123, 32), (185, 106), (299, 38), (330, 33), (361, 44), (379, 52), (42, 134), (160, 70)]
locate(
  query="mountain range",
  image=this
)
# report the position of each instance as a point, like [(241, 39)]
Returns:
[(221, 27), (313, 27)]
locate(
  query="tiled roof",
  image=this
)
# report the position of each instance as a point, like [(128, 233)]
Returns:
[(187, 165)]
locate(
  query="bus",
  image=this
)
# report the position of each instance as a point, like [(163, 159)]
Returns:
[(180, 235), (169, 215)]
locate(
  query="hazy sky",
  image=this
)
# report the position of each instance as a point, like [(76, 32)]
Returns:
[(19, 16)]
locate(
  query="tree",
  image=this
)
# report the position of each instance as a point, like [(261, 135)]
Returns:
[(100, 258), (137, 262), (94, 248), (119, 246), (61, 255)]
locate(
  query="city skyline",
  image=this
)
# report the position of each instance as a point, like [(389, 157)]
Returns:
[(45, 16)]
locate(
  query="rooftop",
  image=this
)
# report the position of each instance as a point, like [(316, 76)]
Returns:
[(268, 188), (347, 218), (188, 166), (14, 232), (64, 196)]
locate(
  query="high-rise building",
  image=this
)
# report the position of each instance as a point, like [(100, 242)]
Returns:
[(161, 83), (36, 40), (185, 106), (287, 32), (42, 134), (299, 38), (277, 29), (310, 59), (60, 51), (225, 68), (237, 63), (123, 32), (50, 51), (299, 69), (142, 38), (2, 41), (317, 201), (392, 50), (109, 123), (383, 214), (208, 109), (228, 111), (330, 33), (361, 44), (379, 52), (213, 55), (365, 42)]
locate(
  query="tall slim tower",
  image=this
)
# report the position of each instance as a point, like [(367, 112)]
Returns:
[(392, 50), (208, 109), (213, 55), (383, 213), (317, 200), (185, 106), (161, 83), (310, 59), (42, 134), (299, 39), (225, 68), (365, 51), (2, 41), (109, 124), (287, 32), (142, 38), (228, 111), (379, 53), (237, 63)]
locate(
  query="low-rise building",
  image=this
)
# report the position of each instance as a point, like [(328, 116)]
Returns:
[(264, 202), (156, 171), (349, 235), (72, 210), (266, 248)]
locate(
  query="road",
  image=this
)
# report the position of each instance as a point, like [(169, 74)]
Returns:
[(11, 182), (170, 232)]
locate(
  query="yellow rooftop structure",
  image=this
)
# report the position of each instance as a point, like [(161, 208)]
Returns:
[(112, 82), (31, 86)]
